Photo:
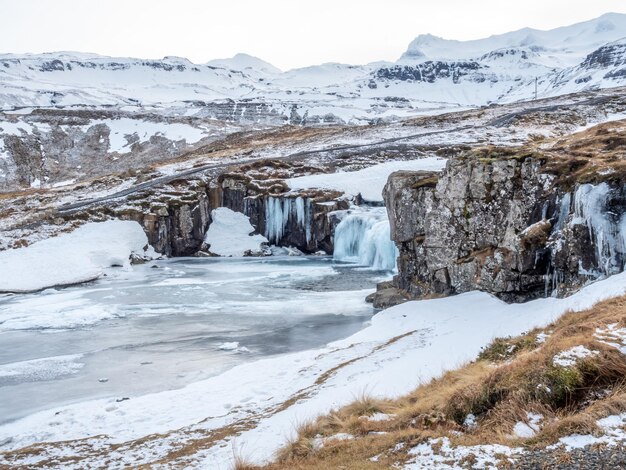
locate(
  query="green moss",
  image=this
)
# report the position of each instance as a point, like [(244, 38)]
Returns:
[(561, 383), (502, 349), (466, 213)]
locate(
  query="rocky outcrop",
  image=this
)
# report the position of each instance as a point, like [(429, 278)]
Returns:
[(499, 223), (301, 220), (431, 71), (176, 216), (175, 220)]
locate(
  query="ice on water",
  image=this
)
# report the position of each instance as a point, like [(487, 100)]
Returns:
[(363, 237)]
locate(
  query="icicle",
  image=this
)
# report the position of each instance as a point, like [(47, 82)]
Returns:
[(608, 237), (308, 219), (278, 213), (363, 237), (275, 219), (300, 210), (563, 211)]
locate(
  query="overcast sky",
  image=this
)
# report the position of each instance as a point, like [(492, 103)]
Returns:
[(287, 33)]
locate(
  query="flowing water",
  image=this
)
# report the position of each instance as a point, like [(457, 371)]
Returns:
[(168, 323)]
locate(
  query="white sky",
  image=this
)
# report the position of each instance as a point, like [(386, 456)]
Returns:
[(287, 33)]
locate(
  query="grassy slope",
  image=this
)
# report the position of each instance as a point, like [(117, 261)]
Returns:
[(512, 377)]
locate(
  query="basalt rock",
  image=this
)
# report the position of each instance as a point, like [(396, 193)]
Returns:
[(500, 225), (301, 220)]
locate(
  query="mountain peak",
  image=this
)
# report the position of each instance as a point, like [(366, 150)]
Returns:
[(580, 39), (245, 62)]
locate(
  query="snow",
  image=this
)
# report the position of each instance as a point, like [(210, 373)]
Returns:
[(613, 434), (439, 334), (527, 429), (440, 454), (378, 417), (245, 63), (319, 442), (368, 182), (122, 127), (40, 369), (571, 356), (74, 257), (230, 234), (564, 46), (542, 337), (612, 335), (470, 421), (509, 64)]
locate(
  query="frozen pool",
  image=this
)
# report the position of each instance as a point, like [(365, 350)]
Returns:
[(168, 323)]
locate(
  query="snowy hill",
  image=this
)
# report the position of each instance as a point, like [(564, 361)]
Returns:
[(245, 63), (433, 75)]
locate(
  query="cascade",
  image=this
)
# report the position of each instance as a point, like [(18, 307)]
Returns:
[(363, 237)]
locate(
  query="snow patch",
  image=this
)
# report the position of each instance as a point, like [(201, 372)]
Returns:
[(612, 335), (230, 234), (527, 429), (614, 434), (571, 356), (368, 182), (122, 128), (74, 257), (439, 453)]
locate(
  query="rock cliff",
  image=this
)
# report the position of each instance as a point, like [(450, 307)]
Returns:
[(517, 223)]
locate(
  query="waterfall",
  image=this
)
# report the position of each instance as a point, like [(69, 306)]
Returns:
[(607, 234), (279, 211), (363, 237)]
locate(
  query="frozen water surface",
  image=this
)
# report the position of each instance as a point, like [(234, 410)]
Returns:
[(164, 324)]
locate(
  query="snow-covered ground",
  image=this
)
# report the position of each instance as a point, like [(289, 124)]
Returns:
[(74, 257), (122, 128), (404, 346), (368, 182)]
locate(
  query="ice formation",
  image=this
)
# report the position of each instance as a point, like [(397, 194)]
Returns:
[(278, 212), (363, 237), (607, 233)]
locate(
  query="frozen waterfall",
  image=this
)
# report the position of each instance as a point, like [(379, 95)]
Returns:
[(363, 237), (606, 230), (278, 212)]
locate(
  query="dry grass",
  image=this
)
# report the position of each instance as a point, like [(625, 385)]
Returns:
[(592, 156), (509, 379), (595, 155)]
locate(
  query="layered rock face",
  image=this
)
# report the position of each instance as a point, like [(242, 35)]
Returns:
[(504, 226), (175, 220), (300, 220), (177, 216)]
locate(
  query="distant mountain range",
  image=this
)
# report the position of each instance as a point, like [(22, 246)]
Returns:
[(433, 74)]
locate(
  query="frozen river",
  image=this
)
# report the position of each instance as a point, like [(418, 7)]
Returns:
[(169, 323)]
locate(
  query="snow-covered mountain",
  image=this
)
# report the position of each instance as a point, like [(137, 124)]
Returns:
[(245, 63), (560, 47), (434, 74)]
